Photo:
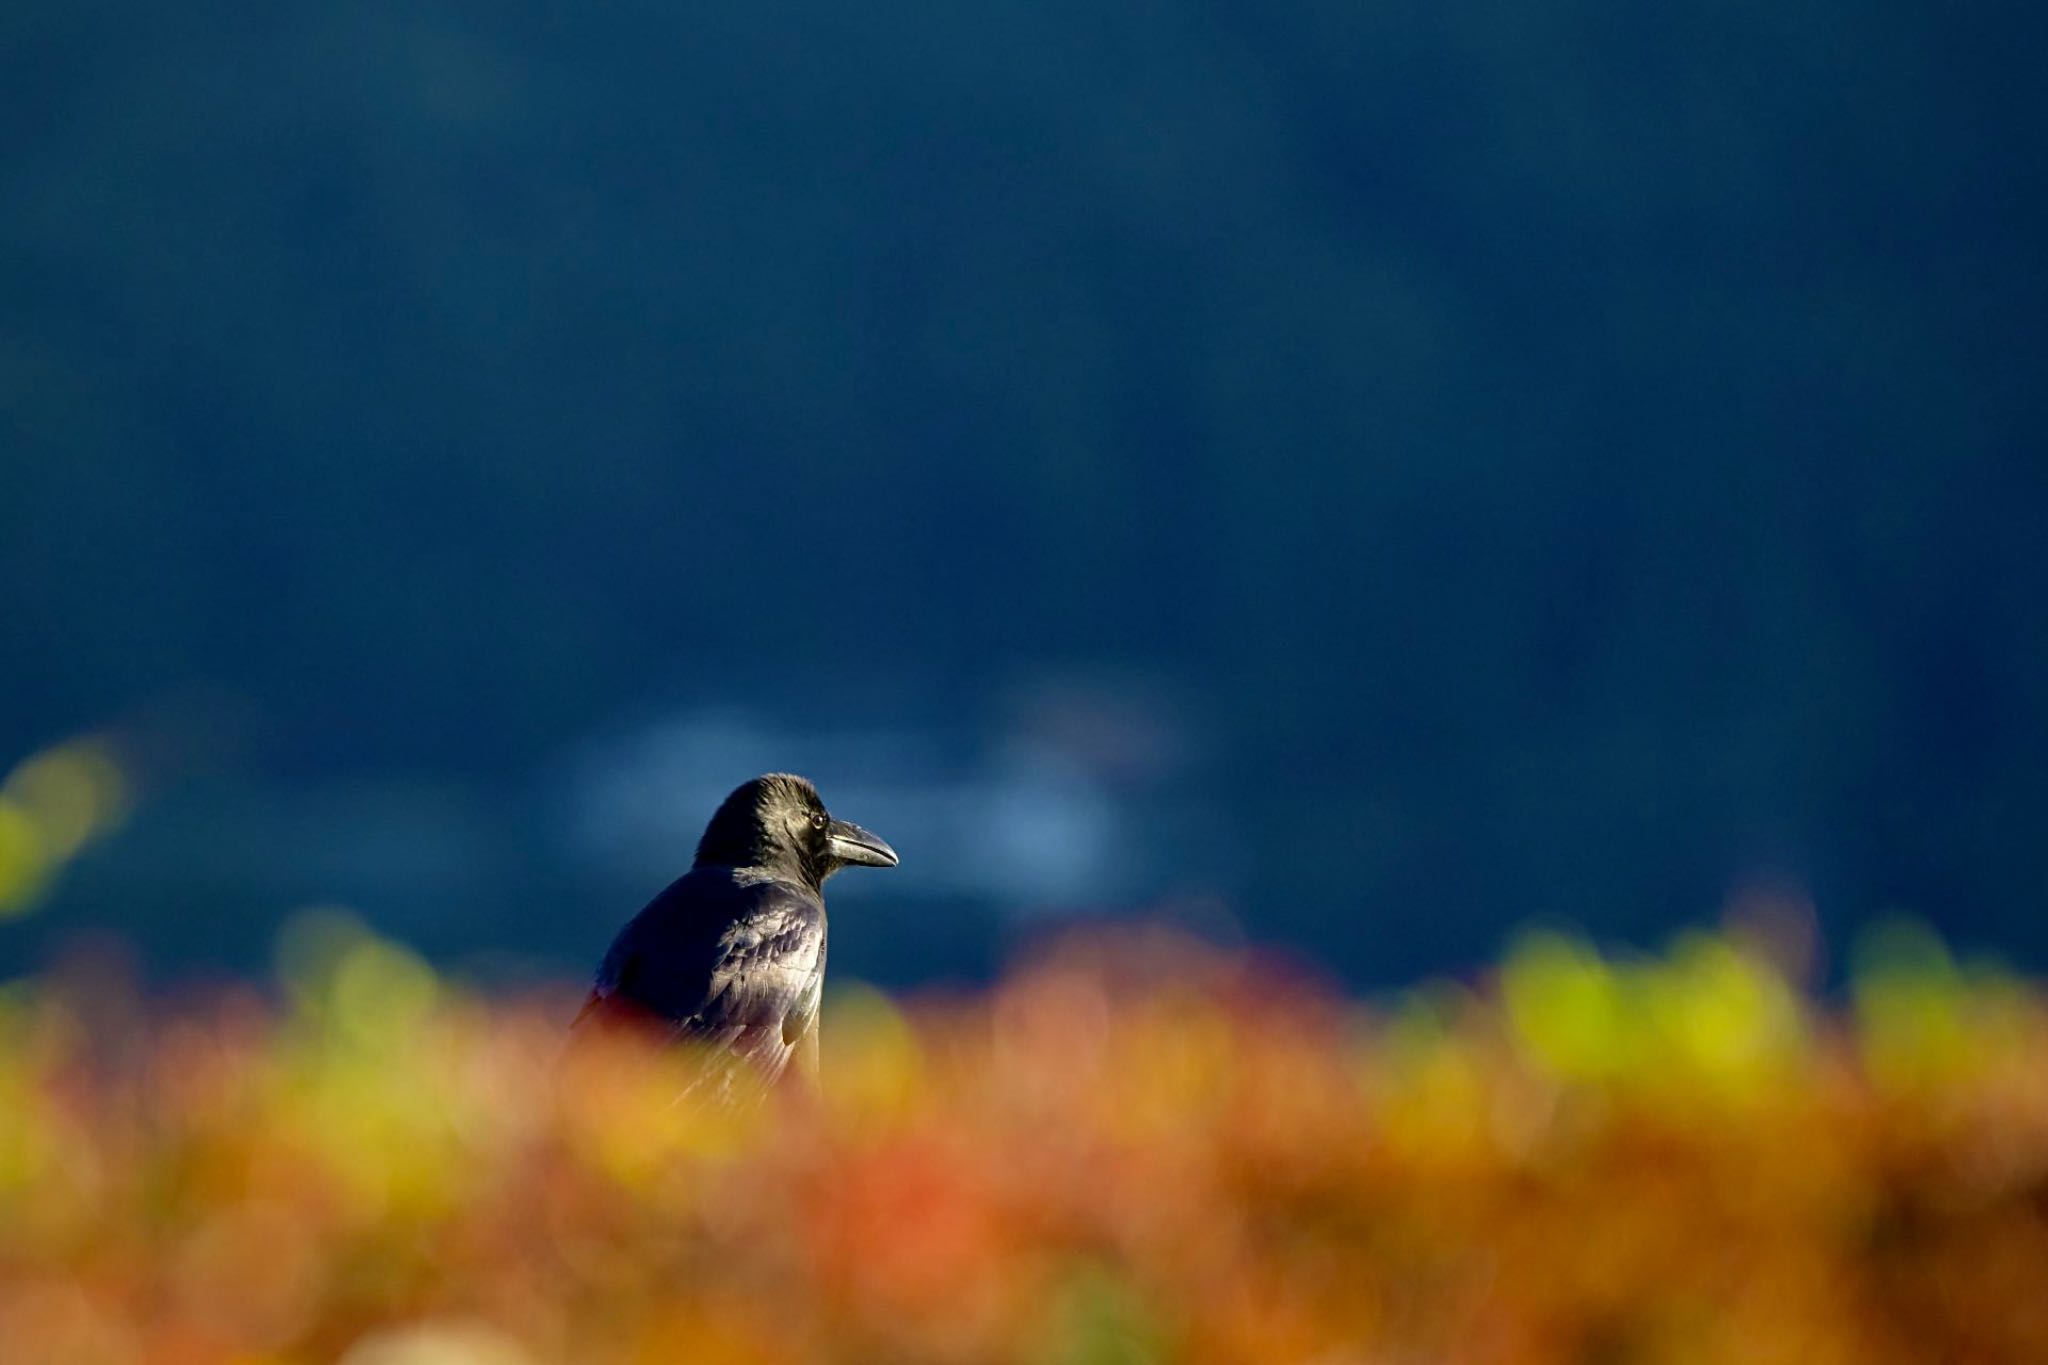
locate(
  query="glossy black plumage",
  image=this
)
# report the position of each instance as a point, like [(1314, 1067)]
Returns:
[(730, 956)]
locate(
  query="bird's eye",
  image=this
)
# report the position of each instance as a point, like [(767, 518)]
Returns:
[(817, 819)]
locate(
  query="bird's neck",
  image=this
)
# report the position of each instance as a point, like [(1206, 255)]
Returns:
[(770, 864)]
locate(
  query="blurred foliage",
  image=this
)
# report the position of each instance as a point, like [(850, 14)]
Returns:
[(52, 805), (1131, 1149)]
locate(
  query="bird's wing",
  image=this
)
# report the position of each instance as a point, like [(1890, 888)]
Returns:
[(764, 985), (735, 969)]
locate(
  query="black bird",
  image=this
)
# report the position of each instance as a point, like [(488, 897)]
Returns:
[(731, 956)]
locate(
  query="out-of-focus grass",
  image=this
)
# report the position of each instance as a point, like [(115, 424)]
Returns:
[(1131, 1150)]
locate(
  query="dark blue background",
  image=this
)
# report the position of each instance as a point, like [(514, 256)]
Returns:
[(1362, 475)]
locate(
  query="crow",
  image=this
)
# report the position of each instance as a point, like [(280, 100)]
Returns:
[(730, 957)]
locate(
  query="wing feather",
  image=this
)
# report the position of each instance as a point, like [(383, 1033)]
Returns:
[(734, 969)]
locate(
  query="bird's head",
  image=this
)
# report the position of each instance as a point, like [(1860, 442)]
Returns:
[(779, 822)]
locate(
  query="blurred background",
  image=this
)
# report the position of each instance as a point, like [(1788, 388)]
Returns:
[(1358, 477)]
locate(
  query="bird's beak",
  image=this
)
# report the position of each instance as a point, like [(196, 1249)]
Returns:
[(852, 844)]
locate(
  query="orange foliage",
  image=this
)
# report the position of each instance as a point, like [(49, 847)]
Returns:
[(1134, 1150)]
